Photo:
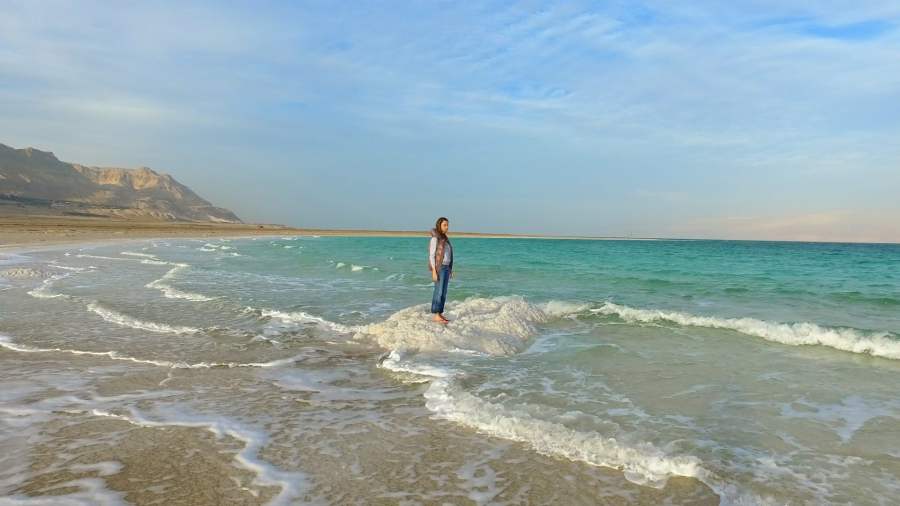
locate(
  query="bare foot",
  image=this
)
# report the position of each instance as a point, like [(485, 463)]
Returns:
[(440, 319), (444, 319)]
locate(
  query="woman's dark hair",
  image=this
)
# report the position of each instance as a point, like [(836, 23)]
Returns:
[(437, 228)]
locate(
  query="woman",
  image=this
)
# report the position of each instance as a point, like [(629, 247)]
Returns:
[(440, 259)]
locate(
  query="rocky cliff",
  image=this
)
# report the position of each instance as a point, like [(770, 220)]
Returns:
[(34, 178)]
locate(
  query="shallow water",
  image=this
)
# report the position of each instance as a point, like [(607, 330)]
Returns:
[(306, 370)]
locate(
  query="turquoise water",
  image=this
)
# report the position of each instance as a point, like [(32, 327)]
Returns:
[(831, 284), (682, 371)]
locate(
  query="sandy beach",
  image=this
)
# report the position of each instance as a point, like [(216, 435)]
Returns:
[(29, 231)]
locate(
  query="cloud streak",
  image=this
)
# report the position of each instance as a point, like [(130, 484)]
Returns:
[(761, 108)]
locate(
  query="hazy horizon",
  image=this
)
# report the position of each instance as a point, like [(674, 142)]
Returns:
[(769, 120)]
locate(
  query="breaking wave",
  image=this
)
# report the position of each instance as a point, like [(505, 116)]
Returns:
[(642, 463), (129, 321), (134, 254), (70, 268), (878, 344), (209, 247), (5, 342), (42, 291), (300, 317), (100, 257), (171, 292)]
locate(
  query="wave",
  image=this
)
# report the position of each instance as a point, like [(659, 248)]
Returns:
[(167, 290), (70, 268), (300, 317), (145, 255), (6, 342), (209, 247), (172, 292), (42, 291), (878, 344), (495, 326), (148, 261), (219, 248), (100, 257), (641, 463), (355, 267), (129, 321), (561, 308)]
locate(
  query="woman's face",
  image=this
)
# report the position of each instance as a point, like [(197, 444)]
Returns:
[(445, 225)]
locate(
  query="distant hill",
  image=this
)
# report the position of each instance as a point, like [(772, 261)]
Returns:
[(36, 180)]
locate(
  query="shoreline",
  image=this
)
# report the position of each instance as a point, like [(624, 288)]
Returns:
[(26, 232), (31, 233)]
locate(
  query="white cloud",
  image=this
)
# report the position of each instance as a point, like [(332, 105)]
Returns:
[(114, 109), (610, 96), (832, 226)]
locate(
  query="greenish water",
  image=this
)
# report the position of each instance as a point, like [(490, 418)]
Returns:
[(681, 371)]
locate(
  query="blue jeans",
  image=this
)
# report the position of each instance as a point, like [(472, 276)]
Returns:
[(440, 290)]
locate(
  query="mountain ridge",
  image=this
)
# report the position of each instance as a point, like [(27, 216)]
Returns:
[(31, 177)]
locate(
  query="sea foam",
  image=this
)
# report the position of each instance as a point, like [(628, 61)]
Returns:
[(101, 257), (132, 322), (494, 326), (497, 326), (641, 463), (42, 291), (171, 292), (300, 317), (6, 342), (878, 344), (134, 254)]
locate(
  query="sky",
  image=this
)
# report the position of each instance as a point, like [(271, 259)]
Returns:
[(736, 120)]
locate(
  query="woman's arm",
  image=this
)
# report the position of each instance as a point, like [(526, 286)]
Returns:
[(432, 249)]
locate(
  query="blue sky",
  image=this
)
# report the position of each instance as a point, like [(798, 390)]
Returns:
[(760, 119)]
